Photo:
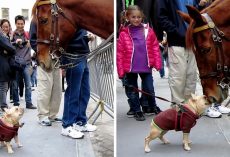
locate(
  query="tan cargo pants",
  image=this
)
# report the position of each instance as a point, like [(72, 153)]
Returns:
[(49, 93), (182, 73)]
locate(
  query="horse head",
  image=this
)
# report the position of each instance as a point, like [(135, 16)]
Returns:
[(207, 40), (57, 22), (54, 31)]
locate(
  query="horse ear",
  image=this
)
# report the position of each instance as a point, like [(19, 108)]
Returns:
[(184, 16), (195, 15)]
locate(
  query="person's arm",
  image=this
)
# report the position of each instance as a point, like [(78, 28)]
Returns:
[(33, 36), (6, 45), (156, 51), (120, 55), (163, 17)]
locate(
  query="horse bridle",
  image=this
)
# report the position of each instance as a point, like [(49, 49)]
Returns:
[(222, 70), (54, 40)]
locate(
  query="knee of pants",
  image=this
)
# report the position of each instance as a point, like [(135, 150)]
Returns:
[(133, 95)]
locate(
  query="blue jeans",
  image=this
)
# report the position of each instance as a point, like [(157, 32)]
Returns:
[(133, 95), (77, 95), (34, 77), (27, 81)]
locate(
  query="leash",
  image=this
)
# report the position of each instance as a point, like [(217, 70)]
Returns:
[(158, 97)]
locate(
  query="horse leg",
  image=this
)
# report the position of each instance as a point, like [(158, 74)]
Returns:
[(154, 133)]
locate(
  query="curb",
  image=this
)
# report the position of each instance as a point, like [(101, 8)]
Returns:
[(84, 147)]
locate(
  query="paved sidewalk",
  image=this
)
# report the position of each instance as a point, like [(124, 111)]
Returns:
[(42, 141), (210, 137)]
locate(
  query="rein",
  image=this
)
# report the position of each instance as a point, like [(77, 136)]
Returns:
[(222, 70), (78, 57)]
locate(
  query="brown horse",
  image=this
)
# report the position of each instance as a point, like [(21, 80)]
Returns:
[(209, 36), (57, 21)]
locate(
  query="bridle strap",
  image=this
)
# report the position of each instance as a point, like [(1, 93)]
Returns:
[(54, 40), (201, 28), (43, 3), (221, 72)]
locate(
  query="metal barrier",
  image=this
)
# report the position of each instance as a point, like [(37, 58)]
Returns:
[(101, 67)]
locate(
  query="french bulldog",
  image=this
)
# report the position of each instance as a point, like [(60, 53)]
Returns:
[(9, 125), (181, 118)]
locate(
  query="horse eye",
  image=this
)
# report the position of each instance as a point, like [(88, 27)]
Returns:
[(43, 21), (205, 50)]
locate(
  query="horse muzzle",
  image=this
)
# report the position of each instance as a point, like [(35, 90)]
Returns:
[(220, 96)]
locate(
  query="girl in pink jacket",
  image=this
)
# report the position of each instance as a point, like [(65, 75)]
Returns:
[(137, 53)]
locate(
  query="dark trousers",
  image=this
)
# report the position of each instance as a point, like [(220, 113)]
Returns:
[(133, 95)]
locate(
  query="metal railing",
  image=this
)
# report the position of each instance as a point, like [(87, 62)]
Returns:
[(101, 67)]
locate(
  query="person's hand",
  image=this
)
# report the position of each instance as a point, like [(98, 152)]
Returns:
[(18, 41), (203, 2), (164, 42), (91, 37), (28, 43)]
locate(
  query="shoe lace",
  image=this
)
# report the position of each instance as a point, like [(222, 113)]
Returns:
[(214, 109)]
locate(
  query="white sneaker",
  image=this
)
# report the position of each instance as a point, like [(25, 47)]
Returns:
[(212, 113), (85, 128), (70, 132), (222, 109)]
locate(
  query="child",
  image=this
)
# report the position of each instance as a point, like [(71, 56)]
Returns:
[(137, 53)]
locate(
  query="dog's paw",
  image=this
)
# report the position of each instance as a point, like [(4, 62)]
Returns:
[(10, 151), (147, 150), (166, 141), (186, 147), (20, 145)]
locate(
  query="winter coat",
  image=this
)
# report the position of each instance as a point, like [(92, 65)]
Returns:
[(7, 50), (169, 120), (125, 50), (169, 20)]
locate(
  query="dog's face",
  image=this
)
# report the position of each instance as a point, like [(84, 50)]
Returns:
[(200, 102), (14, 113)]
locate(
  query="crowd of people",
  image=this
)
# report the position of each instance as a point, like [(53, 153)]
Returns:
[(139, 50), (20, 68)]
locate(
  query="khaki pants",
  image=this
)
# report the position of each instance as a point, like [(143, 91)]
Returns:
[(182, 73), (49, 93)]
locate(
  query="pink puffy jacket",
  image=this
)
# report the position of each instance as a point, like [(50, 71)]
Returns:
[(125, 50)]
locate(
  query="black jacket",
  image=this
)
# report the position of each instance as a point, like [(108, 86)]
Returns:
[(168, 20), (7, 50), (79, 43), (33, 36)]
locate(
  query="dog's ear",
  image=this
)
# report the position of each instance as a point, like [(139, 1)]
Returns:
[(6, 110), (193, 96)]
